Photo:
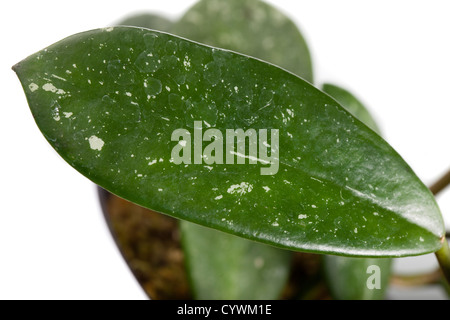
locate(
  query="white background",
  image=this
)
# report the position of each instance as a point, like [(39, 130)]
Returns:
[(54, 244)]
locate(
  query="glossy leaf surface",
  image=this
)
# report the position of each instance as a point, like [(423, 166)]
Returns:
[(223, 266), (110, 100), (219, 265), (355, 278)]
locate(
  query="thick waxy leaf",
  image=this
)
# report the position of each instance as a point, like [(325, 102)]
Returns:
[(237, 269), (252, 27), (348, 277), (223, 266), (219, 265), (109, 101), (357, 278)]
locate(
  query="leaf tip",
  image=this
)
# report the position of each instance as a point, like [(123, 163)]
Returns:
[(15, 67)]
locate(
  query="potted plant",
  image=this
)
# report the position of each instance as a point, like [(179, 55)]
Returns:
[(236, 144)]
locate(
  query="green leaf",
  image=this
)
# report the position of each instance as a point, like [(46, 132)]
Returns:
[(236, 269), (110, 100), (251, 27), (357, 278), (352, 104), (348, 278), (219, 265)]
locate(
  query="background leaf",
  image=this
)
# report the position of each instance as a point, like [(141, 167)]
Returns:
[(108, 101), (252, 27), (229, 267), (348, 277)]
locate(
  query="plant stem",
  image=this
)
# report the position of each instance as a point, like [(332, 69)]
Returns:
[(439, 185), (443, 256)]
